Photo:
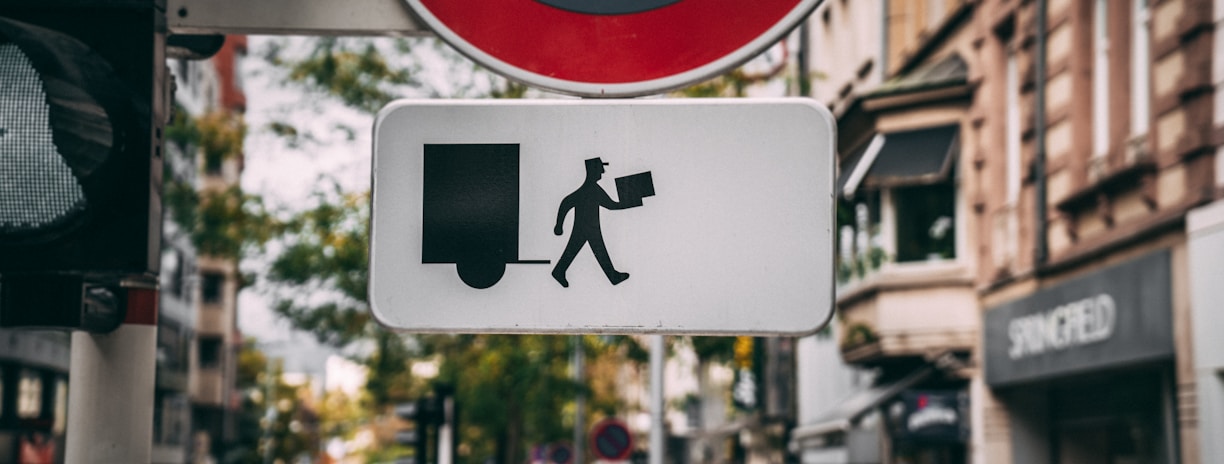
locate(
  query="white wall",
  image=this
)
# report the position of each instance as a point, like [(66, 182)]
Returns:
[(1205, 227), (1217, 78), (823, 380)]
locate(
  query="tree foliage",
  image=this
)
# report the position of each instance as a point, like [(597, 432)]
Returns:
[(220, 222), (274, 420), (220, 134), (514, 390), (324, 255), (355, 71)]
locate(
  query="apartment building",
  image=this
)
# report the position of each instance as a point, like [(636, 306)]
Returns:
[(1015, 178), (897, 76), (177, 307), (211, 92), (1205, 250), (1087, 344)]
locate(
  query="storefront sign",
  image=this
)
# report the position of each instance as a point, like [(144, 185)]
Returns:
[(1117, 316), (1089, 320), (929, 416)]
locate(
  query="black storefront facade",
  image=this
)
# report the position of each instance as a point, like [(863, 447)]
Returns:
[(1085, 368)]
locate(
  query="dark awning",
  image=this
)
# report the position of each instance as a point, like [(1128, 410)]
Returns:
[(846, 413), (947, 72), (913, 157)]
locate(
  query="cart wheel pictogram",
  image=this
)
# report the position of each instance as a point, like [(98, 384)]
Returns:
[(481, 273)]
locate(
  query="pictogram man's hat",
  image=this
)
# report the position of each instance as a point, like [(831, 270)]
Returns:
[(595, 163)]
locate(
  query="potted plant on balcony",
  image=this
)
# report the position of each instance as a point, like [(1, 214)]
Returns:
[(858, 334)]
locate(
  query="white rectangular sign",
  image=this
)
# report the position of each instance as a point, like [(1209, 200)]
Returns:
[(695, 216)]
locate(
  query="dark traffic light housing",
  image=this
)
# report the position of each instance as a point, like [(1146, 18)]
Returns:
[(82, 106), (423, 413), (99, 307), (427, 414)]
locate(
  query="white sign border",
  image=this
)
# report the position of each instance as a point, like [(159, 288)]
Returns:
[(642, 329)]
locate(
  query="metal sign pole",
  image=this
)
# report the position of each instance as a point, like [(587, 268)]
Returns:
[(657, 451), (579, 403), (269, 409), (110, 414), (446, 431)]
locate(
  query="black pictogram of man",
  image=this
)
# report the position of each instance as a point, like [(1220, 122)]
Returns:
[(586, 202)]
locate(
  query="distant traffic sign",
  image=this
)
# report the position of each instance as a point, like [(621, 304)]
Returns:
[(560, 453), (610, 48), (501, 217), (611, 440)]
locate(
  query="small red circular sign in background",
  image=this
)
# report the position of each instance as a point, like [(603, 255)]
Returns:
[(611, 439), (527, 38)]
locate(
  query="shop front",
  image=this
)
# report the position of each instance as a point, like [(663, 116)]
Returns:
[(921, 417), (929, 426), (1084, 368)]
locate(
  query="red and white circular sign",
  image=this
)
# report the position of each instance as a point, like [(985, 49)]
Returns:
[(611, 48)]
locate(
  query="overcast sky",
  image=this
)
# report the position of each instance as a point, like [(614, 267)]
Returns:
[(340, 150), (286, 176)]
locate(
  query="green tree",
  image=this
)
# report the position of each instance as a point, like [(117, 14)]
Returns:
[(513, 390), (274, 414), (220, 222)]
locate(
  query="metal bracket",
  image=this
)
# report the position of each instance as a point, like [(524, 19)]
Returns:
[(289, 17)]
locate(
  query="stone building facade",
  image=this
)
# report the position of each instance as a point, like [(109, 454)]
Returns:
[(1022, 244)]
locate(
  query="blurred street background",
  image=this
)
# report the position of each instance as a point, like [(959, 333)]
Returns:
[(1030, 251)]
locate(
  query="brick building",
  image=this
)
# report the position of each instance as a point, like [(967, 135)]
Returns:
[(1015, 178)]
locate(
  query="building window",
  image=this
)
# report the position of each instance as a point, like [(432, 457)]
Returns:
[(1140, 65), (175, 264), (61, 407), (213, 283), (899, 201), (925, 219), (905, 224), (172, 346), (1012, 99), (1100, 79), (210, 352), (212, 164), (170, 413), (29, 394), (236, 72)]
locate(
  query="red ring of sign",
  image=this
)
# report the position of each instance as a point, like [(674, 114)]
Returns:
[(603, 430), (616, 54)]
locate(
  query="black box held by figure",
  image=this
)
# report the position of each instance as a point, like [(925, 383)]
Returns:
[(631, 189)]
